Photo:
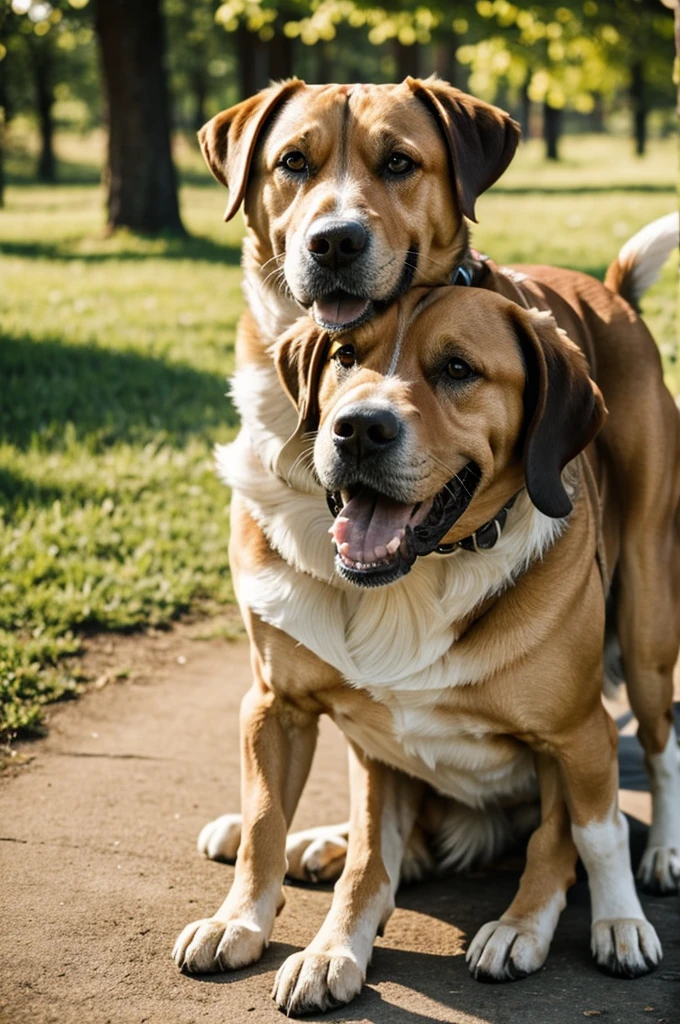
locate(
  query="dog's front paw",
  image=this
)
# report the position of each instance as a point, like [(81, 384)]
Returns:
[(502, 951), (212, 945), (311, 982), (220, 839), (659, 870), (625, 947)]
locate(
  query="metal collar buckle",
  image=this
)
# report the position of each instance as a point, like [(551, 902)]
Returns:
[(483, 539), (462, 275)]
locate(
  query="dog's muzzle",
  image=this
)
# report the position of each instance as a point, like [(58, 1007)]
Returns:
[(378, 539)]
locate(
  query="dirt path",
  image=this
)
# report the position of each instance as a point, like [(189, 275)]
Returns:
[(99, 873)]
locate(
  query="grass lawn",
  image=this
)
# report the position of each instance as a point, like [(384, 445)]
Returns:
[(113, 359)]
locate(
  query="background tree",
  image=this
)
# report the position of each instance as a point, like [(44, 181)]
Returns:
[(140, 176), (553, 64)]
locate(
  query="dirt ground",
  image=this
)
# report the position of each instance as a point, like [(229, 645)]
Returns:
[(99, 872)]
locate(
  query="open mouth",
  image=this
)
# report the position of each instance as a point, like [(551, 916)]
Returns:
[(339, 310), (378, 539)]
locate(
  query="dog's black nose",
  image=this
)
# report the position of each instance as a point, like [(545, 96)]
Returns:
[(335, 243), (365, 430)]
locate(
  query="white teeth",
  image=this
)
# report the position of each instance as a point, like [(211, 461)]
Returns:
[(392, 547), (344, 548)]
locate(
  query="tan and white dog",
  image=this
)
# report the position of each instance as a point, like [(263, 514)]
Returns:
[(396, 168), (455, 627), (353, 194)]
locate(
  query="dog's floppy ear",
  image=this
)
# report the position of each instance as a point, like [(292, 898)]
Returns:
[(228, 141), (300, 355), (563, 408), (481, 139)]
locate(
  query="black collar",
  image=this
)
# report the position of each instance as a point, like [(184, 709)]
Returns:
[(486, 537)]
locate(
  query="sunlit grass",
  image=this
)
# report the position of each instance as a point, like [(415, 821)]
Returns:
[(113, 359)]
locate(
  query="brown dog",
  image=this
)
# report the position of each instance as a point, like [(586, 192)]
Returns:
[(459, 641), (606, 327), (297, 155)]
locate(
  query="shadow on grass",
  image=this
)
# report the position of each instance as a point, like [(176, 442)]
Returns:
[(169, 247), (18, 491), (22, 170), (105, 396)]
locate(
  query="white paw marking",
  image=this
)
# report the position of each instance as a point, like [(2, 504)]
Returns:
[(313, 982), (625, 947), (219, 839), (212, 945)]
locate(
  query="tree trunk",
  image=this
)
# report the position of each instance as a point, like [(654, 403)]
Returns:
[(3, 122), (140, 175), (442, 61), (525, 109), (638, 97), (405, 58), (597, 117), (552, 123), (200, 90), (280, 57), (252, 74), (44, 95)]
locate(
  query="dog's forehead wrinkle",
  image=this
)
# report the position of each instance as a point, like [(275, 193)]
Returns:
[(402, 324), (406, 319), (344, 136)]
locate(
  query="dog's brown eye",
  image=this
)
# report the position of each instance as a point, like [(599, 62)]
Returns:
[(346, 356), (294, 161), (399, 163), (458, 369)]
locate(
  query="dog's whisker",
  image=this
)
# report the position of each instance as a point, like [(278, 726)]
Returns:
[(272, 259), (300, 463), (277, 272)]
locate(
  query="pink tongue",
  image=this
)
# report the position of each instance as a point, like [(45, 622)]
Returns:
[(339, 308), (369, 523)]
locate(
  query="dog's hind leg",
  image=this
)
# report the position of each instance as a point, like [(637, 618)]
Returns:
[(518, 943), (317, 855), (313, 854), (648, 603), (332, 969)]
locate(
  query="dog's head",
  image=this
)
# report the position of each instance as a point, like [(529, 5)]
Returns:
[(430, 417), (354, 193)]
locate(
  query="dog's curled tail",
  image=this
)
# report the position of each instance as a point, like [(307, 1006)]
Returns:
[(639, 262)]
